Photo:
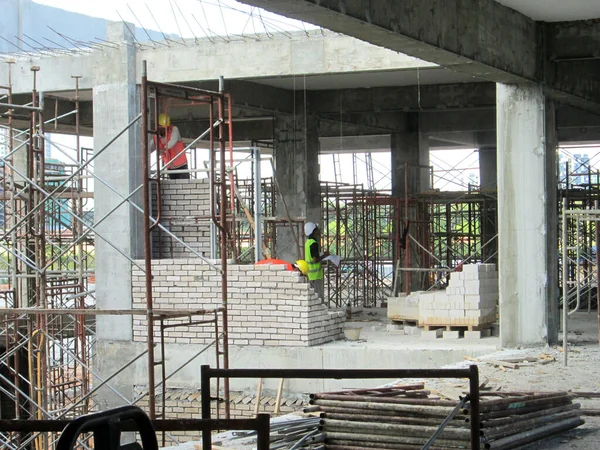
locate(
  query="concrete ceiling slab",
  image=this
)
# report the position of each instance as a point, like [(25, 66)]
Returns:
[(555, 10), (412, 77)]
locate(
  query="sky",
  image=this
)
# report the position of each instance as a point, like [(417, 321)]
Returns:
[(186, 18)]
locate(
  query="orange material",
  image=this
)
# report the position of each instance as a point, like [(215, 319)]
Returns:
[(287, 265), (174, 157)]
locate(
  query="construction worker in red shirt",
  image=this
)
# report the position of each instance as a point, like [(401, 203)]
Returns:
[(171, 148)]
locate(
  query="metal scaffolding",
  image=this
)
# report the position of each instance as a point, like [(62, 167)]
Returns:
[(392, 244), (47, 259)]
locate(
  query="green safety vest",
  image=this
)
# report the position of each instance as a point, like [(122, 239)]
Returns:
[(315, 272)]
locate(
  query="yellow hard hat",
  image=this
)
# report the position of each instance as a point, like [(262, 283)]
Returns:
[(302, 265), (164, 120)]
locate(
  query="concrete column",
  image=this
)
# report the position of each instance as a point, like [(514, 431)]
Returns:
[(551, 147), (116, 103), (410, 175), (488, 168), (526, 202), (488, 184), (410, 147), (296, 156)]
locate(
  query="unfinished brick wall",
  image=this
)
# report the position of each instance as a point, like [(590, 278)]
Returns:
[(268, 305), (185, 211)]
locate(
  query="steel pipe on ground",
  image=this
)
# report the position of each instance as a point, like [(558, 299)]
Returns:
[(516, 419), (421, 410), (524, 410), (369, 440), (458, 422), (536, 434), (514, 404), (525, 425), (371, 399), (394, 429)]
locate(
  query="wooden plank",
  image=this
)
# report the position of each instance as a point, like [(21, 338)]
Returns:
[(278, 398)]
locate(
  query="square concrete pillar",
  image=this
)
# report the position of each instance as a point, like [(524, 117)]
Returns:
[(116, 103), (488, 169), (526, 215), (296, 155), (410, 176), (410, 149)]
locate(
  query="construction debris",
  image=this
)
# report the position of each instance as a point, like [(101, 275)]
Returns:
[(289, 433)]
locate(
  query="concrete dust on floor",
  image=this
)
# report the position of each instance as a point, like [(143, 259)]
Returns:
[(538, 369)]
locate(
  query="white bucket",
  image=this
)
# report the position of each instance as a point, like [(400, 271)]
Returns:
[(352, 334)]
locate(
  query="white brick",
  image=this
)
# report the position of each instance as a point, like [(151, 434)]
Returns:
[(431, 335), (451, 334), (478, 334)]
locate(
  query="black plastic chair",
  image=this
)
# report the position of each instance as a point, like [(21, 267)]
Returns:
[(107, 427)]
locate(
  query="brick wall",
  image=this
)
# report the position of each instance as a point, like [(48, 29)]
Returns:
[(185, 212), (185, 404), (268, 305)]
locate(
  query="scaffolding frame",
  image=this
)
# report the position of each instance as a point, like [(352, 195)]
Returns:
[(47, 317)]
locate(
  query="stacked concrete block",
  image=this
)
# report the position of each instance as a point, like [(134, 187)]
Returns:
[(470, 299), (185, 211), (268, 305), (404, 307)]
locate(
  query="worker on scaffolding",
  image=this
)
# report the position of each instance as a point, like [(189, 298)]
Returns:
[(171, 148), (313, 257)]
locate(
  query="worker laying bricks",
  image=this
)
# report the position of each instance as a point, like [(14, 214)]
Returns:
[(313, 257)]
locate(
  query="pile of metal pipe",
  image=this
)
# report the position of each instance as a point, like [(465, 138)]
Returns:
[(397, 418), (511, 421), (294, 434)]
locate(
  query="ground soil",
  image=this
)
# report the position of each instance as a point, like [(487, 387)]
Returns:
[(581, 374)]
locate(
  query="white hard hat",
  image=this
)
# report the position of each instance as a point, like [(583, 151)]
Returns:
[(309, 227)]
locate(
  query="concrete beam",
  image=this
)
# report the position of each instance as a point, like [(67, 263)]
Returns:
[(350, 144), (378, 123), (573, 54), (574, 40), (451, 121), (55, 73), (404, 99), (478, 37), (298, 53), (254, 130), (337, 129), (54, 107), (246, 95)]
